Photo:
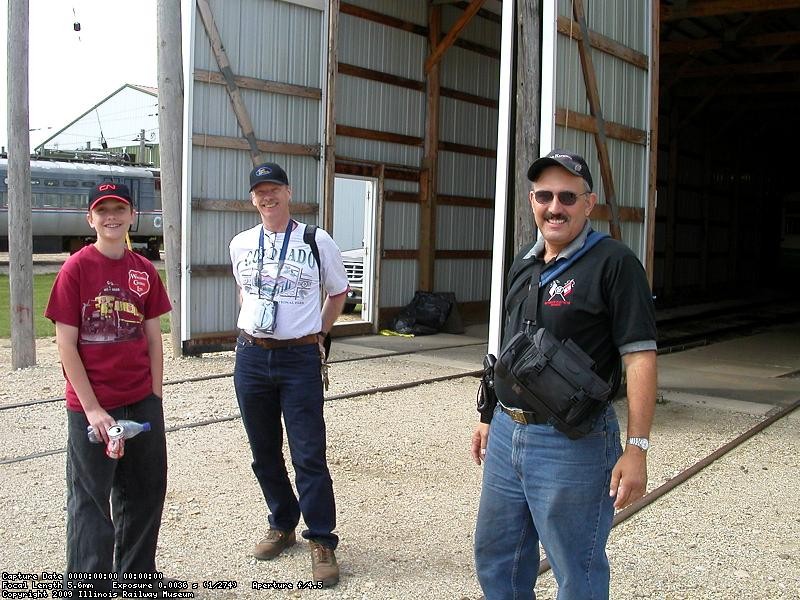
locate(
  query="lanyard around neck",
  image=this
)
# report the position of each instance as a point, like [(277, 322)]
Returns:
[(281, 259)]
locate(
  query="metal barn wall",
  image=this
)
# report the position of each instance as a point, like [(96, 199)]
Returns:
[(467, 228), (625, 100), (379, 106), (272, 41)]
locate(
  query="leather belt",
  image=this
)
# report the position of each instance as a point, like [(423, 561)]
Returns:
[(272, 343), (523, 417)]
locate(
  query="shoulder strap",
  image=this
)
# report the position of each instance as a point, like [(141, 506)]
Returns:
[(310, 238), (549, 274), (545, 277)]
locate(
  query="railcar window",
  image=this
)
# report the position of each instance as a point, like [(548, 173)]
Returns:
[(87, 184), (75, 200), (4, 199), (69, 183), (51, 182), (46, 200)]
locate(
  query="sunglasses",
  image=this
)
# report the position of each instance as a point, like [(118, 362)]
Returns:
[(566, 198)]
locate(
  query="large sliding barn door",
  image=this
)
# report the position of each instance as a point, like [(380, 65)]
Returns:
[(598, 83), (255, 91)]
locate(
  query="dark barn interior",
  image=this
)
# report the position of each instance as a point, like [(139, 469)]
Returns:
[(728, 216)]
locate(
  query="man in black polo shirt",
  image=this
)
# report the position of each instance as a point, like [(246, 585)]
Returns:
[(539, 485)]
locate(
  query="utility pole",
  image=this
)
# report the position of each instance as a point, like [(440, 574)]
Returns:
[(527, 117), (20, 238), (170, 127), (141, 147)]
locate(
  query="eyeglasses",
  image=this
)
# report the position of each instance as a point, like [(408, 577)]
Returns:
[(564, 197)]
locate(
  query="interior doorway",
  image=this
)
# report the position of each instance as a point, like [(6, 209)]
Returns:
[(354, 218)]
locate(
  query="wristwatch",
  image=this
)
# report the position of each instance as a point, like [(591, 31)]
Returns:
[(640, 442)]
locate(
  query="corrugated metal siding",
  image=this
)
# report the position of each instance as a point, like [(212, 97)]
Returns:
[(466, 175), (464, 228), (264, 39), (383, 107), (623, 98), (467, 123), (413, 11), (468, 279), (398, 282), (214, 300), (400, 226), (378, 106)]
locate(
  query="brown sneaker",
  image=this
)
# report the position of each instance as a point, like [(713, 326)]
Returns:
[(323, 564), (274, 543)]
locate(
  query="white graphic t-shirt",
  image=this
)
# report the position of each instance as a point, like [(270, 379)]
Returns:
[(297, 287)]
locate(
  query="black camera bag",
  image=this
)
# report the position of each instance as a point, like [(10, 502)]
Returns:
[(552, 378)]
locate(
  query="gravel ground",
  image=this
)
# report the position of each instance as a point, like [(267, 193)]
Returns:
[(407, 491)]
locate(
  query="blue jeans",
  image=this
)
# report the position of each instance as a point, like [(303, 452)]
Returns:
[(269, 382), (540, 485), (125, 532)]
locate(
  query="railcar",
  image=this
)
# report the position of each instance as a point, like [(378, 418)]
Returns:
[(60, 199)]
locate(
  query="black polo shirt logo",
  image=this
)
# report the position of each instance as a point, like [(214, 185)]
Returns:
[(558, 293)]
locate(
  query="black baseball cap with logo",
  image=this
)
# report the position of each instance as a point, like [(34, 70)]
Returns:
[(268, 173), (109, 191), (574, 163)]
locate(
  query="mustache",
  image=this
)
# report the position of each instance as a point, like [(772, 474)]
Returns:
[(552, 215)]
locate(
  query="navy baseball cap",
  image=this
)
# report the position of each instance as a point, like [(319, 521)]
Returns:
[(109, 191), (268, 172), (574, 163)]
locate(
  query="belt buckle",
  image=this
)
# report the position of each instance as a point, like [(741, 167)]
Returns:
[(518, 417)]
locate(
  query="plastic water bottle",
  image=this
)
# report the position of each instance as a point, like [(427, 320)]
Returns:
[(127, 428)]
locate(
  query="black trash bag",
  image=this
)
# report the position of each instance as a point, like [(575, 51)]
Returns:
[(424, 315)]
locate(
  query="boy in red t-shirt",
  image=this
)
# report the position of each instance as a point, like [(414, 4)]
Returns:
[(106, 303)]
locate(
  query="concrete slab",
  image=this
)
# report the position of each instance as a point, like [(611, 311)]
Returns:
[(749, 369)]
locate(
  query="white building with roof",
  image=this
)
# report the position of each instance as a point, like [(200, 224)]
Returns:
[(116, 122)]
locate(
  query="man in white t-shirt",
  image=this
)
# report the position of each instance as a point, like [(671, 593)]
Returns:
[(278, 360)]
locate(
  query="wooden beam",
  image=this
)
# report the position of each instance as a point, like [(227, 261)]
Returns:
[(471, 98), (370, 15), (716, 8), (439, 50), (463, 254), (203, 140), (297, 208), (780, 38), (379, 136), (365, 168), (407, 197), (525, 122), (412, 84), (484, 14), (430, 159), (331, 74), (261, 85), (466, 201), (568, 118), (627, 214), (381, 77), (239, 109), (466, 149), (590, 80), (376, 17), (400, 254), (570, 28)]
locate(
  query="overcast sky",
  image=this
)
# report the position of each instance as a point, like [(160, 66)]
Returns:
[(69, 72)]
